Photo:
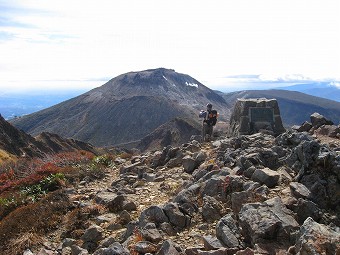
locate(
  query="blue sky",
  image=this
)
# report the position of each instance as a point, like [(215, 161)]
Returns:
[(222, 43)]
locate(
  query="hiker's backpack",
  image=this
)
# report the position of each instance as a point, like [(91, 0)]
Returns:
[(212, 118)]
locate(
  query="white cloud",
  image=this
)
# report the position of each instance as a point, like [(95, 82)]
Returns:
[(335, 84), (81, 39)]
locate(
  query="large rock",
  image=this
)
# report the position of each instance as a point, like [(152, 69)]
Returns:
[(213, 187), (315, 238), (175, 216), (253, 115), (143, 247), (114, 202), (256, 194), (305, 208), (318, 120), (211, 243), (211, 209), (270, 220), (316, 186), (299, 190), (93, 234), (91, 237), (153, 214), (189, 164), (228, 232), (168, 248), (266, 176), (114, 249)]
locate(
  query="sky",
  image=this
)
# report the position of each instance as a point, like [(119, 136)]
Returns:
[(81, 44)]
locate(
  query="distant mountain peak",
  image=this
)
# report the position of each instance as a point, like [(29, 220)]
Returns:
[(126, 108), (156, 77)]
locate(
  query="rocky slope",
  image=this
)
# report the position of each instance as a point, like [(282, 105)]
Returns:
[(173, 133), (126, 108), (254, 194), (17, 143)]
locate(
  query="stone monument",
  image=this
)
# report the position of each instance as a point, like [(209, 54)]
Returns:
[(253, 115)]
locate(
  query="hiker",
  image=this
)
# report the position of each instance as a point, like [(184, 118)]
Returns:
[(209, 120)]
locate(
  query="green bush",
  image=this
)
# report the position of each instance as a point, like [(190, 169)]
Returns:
[(49, 183), (104, 160)]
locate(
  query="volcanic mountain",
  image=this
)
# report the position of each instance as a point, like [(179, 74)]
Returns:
[(125, 109)]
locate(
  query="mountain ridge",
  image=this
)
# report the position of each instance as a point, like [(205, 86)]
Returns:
[(295, 107), (21, 145), (126, 108)]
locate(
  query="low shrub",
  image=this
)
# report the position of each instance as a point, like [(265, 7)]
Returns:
[(35, 218)]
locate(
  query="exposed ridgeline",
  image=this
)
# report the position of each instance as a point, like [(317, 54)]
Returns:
[(126, 108), (18, 143), (253, 194)]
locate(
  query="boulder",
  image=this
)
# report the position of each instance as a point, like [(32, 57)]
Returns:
[(328, 130), (211, 209), (316, 186), (108, 217), (292, 138), (228, 232), (93, 234), (299, 190), (153, 214), (114, 249), (211, 243), (238, 199), (303, 155), (200, 157), (318, 120), (44, 251), (75, 249), (257, 194), (168, 248), (266, 176), (315, 238), (269, 158), (213, 186), (269, 220), (305, 208), (187, 199), (113, 201), (175, 216), (68, 242), (189, 164), (152, 234), (143, 247), (305, 127)]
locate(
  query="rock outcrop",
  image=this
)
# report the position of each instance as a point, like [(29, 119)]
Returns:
[(253, 115)]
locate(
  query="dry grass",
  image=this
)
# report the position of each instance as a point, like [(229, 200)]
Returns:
[(77, 220), (33, 219), (6, 157), (23, 242)]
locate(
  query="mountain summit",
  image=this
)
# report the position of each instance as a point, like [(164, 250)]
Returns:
[(126, 108)]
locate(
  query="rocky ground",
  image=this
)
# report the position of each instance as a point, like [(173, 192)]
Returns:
[(254, 194)]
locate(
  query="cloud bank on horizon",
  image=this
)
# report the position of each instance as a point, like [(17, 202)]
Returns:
[(82, 44)]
